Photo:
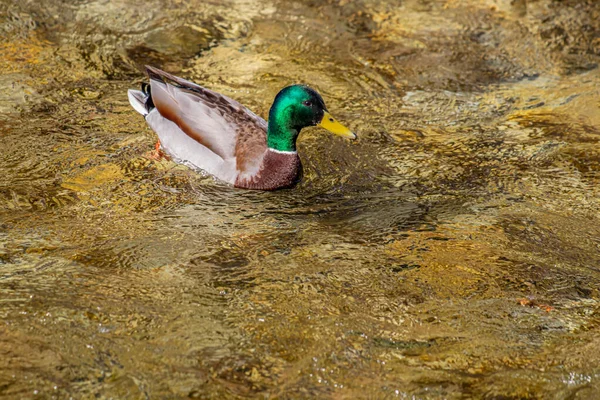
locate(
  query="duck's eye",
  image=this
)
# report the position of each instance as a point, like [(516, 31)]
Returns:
[(307, 103)]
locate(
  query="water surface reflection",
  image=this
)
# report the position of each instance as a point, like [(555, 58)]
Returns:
[(451, 252)]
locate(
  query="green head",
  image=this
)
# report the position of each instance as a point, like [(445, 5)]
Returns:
[(294, 108)]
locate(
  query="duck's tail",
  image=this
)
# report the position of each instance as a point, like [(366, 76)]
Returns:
[(141, 100)]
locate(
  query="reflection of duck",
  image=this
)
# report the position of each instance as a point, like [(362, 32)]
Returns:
[(219, 135)]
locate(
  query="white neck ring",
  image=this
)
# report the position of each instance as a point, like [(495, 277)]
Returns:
[(282, 151)]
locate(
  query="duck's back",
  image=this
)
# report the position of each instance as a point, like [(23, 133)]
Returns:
[(202, 128)]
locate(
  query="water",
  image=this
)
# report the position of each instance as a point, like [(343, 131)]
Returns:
[(452, 252)]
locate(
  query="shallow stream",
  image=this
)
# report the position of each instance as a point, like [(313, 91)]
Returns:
[(452, 252)]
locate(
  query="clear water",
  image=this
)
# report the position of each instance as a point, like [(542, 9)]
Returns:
[(452, 252)]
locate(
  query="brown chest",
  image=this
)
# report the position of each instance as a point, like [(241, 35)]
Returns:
[(278, 170)]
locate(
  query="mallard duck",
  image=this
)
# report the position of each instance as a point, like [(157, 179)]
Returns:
[(211, 132)]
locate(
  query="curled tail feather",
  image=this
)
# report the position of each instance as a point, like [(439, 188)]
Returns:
[(141, 100)]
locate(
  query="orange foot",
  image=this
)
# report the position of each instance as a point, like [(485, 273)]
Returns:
[(157, 154), (530, 302)]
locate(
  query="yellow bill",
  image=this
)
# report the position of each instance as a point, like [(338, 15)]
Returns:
[(330, 123)]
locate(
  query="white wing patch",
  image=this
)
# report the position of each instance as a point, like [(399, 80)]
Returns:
[(200, 119), (186, 150)]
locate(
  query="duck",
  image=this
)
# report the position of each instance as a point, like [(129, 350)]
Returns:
[(210, 132)]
